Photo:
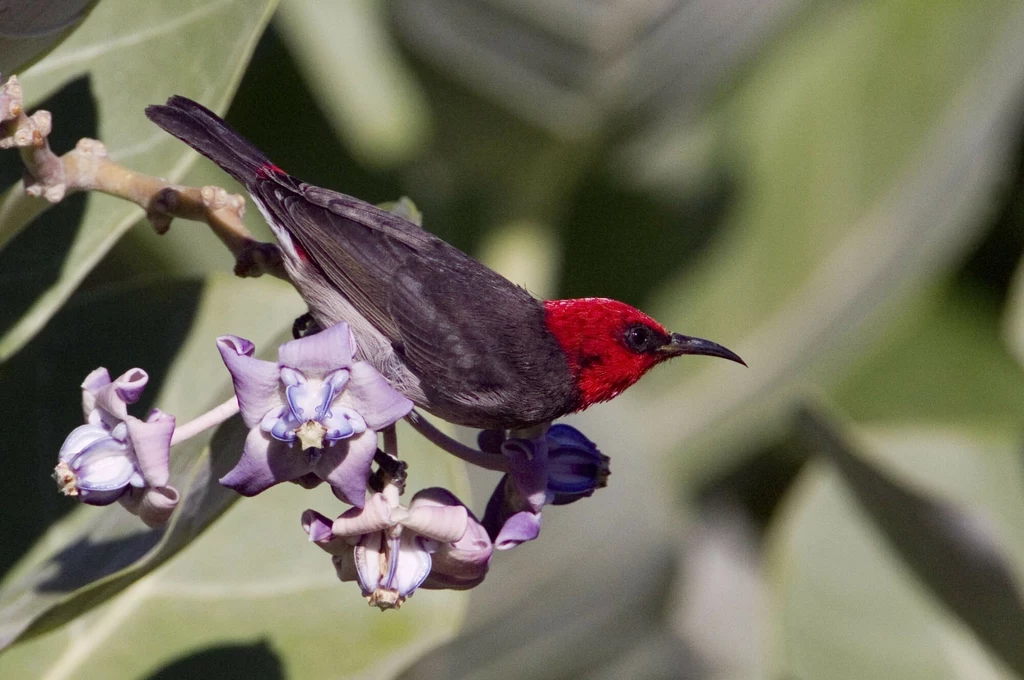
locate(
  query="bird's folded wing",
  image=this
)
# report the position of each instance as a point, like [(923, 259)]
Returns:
[(357, 246)]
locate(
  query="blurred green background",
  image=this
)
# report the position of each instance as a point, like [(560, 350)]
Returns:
[(831, 189)]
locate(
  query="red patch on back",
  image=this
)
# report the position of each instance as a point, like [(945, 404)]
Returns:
[(268, 169), (591, 332)]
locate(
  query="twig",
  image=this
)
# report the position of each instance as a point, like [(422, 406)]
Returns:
[(88, 168)]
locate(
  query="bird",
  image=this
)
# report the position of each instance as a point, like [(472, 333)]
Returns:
[(454, 336)]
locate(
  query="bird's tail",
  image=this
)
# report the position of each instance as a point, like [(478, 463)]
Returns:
[(207, 133)]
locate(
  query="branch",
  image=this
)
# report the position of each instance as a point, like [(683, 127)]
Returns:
[(88, 168)]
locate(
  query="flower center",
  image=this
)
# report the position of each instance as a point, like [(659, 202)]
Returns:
[(311, 434), (67, 482), (309, 414)]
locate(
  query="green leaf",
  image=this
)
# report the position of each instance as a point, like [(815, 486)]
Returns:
[(866, 173), (358, 77), (883, 562), (31, 27), (946, 361), (125, 56), (94, 553), (253, 581)]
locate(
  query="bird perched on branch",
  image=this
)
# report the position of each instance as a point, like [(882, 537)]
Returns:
[(454, 336)]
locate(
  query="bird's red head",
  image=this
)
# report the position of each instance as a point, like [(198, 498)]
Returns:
[(610, 345)]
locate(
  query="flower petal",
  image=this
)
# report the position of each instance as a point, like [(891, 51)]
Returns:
[(318, 354), (154, 506), (445, 524), (438, 514), (366, 556), (101, 496), (563, 435), (346, 466), (79, 438), (257, 383), (320, 531), (113, 399), (152, 443), (462, 564), (412, 564), (439, 580), (92, 384), (519, 528), (375, 516), (103, 470), (528, 468), (264, 463), (130, 384), (370, 394)]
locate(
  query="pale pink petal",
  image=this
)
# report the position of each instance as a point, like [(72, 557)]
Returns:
[(373, 517), (257, 383), (374, 398), (319, 354), (265, 462), (468, 558), (439, 580), (345, 465), (92, 384), (130, 384), (445, 524), (157, 506), (366, 556), (413, 565), (320, 531), (152, 443), (114, 397)]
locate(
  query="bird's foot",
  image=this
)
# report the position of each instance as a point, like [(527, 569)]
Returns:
[(258, 258), (390, 470), (305, 325)]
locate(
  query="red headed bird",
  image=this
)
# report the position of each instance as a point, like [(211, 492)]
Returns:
[(454, 336)]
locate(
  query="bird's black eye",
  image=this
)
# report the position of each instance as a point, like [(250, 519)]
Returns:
[(640, 338)]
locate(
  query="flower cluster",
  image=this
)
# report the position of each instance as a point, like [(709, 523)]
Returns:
[(314, 416), (561, 467), (115, 456), (391, 550), (314, 412)]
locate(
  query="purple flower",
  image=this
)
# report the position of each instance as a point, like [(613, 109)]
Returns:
[(435, 542), (115, 456), (314, 411), (562, 467)]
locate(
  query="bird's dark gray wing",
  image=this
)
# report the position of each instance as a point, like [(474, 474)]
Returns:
[(357, 246), (476, 340)]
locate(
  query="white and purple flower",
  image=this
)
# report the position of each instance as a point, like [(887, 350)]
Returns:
[(314, 411), (391, 550), (118, 457)]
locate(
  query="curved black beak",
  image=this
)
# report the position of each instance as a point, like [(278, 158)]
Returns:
[(684, 344)]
